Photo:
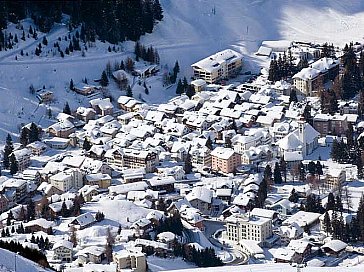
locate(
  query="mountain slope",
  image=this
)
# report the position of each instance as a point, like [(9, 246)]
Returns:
[(8, 259), (191, 30)]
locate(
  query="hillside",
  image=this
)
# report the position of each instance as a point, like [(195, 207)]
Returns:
[(194, 29), (189, 31), (7, 263)]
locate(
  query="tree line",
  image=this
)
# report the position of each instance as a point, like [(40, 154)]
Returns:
[(26, 252), (112, 21)]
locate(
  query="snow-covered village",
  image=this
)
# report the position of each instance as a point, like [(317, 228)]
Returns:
[(182, 135)]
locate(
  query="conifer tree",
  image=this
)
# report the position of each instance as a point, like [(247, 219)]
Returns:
[(293, 96), (104, 80), (179, 89), (72, 85), (277, 174), (327, 223), (8, 149), (209, 143), (33, 133), (188, 164), (330, 202), (86, 144), (23, 139), (67, 109), (14, 168), (129, 91)]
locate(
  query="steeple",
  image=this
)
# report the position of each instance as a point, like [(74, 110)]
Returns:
[(301, 134)]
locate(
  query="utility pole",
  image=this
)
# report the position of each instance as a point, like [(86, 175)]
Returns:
[(15, 261)]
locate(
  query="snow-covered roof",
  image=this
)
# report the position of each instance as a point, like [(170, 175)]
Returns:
[(222, 152), (63, 243), (302, 218), (335, 245), (263, 213), (325, 64), (213, 62), (307, 73), (84, 219), (125, 188), (200, 193)]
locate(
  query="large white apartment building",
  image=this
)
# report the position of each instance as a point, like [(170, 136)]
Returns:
[(244, 227), (71, 178), (221, 65)]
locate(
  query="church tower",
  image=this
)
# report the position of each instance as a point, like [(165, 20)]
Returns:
[(301, 135)]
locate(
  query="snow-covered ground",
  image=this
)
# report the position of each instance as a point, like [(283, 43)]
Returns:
[(11, 261)]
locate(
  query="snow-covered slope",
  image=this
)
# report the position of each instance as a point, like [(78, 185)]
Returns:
[(193, 29), (8, 259)]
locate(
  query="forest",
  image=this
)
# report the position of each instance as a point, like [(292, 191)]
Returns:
[(113, 21)]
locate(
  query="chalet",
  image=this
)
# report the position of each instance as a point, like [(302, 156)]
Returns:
[(146, 71), (44, 96), (102, 106), (199, 85), (61, 129), (103, 181), (17, 188), (85, 114), (201, 199), (89, 191), (91, 254), (335, 177), (334, 248), (84, 89), (162, 184), (63, 251), (37, 148), (83, 221), (39, 224)]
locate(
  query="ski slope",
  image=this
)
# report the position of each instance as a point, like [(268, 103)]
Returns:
[(192, 30)]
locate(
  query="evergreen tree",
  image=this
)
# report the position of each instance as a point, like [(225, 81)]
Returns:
[(30, 210), (293, 96), (311, 167), (14, 168), (188, 163), (331, 205), (23, 139), (73, 235), (67, 109), (190, 91), (338, 204), (64, 210), (72, 85), (179, 89), (104, 80), (86, 144), (33, 133), (129, 91), (8, 149), (209, 143), (293, 196), (277, 174)]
